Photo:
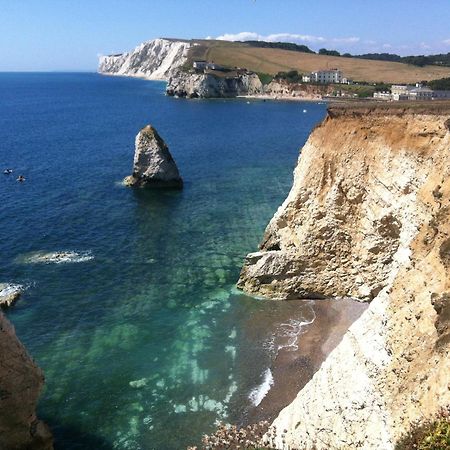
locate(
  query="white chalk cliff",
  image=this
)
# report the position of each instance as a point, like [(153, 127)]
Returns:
[(157, 59), (153, 164), (367, 217), (208, 85), (163, 59)]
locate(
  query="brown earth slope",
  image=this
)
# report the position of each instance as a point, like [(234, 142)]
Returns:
[(367, 216)]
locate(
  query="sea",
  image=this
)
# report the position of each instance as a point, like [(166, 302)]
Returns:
[(129, 304)]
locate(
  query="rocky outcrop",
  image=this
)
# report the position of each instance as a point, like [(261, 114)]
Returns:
[(157, 59), (210, 85), (9, 293), (154, 166), (282, 89), (21, 382), (367, 216)]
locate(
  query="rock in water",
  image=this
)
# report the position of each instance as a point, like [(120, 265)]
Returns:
[(9, 293), (154, 166), (21, 382)]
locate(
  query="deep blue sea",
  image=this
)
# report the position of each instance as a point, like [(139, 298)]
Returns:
[(145, 342)]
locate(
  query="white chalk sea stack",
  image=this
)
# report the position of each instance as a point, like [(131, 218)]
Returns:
[(153, 166)]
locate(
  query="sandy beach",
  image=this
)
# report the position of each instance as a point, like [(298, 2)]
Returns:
[(293, 367)]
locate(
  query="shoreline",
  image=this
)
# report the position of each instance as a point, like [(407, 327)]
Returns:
[(292, 369), (281, 98)]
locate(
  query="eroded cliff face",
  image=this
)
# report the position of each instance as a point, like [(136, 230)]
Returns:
[(21, 382), (153, 165), (158, 59), (283, 89), (207, 85), (367, 217)]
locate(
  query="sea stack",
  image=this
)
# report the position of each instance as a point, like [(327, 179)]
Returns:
[(21, 382), (153, 166)]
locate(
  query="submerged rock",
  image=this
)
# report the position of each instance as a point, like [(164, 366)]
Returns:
[(21, 382), (154, 166)]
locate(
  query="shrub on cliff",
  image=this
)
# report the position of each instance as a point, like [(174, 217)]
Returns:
[(291, 77), (433, 434), (265, 78)]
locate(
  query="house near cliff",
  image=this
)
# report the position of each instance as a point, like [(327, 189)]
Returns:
[(331, 76), (409, 92), (205, 65), (326, 76)]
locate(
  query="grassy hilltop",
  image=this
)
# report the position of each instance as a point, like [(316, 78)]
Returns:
[(274, 60)]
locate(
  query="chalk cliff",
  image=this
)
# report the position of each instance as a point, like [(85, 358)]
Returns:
[(208, 85), (367, 217), (157, 59), (21, 382)]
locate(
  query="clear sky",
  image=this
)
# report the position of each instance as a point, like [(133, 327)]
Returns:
[(70, 34)]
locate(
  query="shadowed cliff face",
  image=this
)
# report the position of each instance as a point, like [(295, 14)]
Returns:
[(21, 382), (368, 217)]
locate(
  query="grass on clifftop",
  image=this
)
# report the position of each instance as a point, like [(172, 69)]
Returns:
[(274, 60)]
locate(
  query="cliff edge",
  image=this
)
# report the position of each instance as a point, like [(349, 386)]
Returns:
[(21, 382), (157, 59), (367, 217)]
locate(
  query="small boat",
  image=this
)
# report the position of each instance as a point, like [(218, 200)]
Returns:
[(20, 178)]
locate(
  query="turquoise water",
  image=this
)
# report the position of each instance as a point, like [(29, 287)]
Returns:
[(145, 343)]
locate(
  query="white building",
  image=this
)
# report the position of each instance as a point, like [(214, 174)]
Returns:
[(382, 95), (326, 76), (199, 65), (420, 93), (205, 65), (408, 92), (400, 91)]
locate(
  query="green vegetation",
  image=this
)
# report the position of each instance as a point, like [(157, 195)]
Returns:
[(361, 90), (324, 51), (441, 59), (382, 87), (291, 77), (432, 434), (282, 45), (440, 85), (265, 78)]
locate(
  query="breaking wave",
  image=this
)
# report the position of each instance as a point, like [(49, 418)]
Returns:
[(257, 394), (60, 257)]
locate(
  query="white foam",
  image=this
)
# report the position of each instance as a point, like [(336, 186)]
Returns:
[(290, 332), (60, 257), (257, 394), (10, 292)]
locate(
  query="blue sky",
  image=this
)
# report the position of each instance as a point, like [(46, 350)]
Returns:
[(69, 34)]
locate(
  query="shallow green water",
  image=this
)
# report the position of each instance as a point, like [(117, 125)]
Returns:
[(148, 343)]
